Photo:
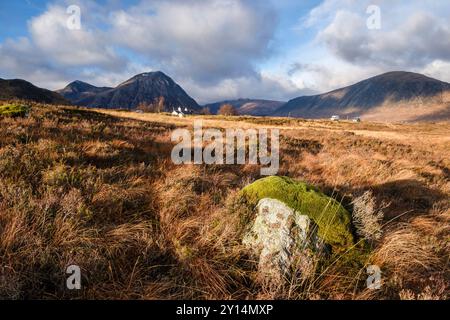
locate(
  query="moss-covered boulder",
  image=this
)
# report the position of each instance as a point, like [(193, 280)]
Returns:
[(13, 110), (284, 241), (333, 220)]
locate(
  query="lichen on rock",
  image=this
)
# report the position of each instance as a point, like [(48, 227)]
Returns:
[(292, 227), (279, 236)]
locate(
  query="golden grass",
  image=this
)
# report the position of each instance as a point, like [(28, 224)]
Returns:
[(98, 189)]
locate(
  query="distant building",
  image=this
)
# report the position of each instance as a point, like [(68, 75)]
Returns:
[(356, 119), (335, 118), (178, 113), (181, 112)]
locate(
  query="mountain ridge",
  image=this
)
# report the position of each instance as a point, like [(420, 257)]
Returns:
[(246, 106), (21, 89), (145, 87), (392, 88)]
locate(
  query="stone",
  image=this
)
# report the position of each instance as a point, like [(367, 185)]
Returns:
[(280, 236), (332, 219), (292, 227)]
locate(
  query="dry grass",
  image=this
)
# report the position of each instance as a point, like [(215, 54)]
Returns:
[(367, 217), (99, 190)]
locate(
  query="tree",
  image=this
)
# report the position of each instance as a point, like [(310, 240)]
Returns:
[(227, 110), (155, 107), (205, 111), (145, 107), (160, 105)]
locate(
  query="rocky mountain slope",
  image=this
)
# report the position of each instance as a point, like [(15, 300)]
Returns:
[(409, 92), (142, 88), (78, 91)]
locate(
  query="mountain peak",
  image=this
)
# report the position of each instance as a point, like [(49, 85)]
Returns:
[(79, 85), (152, 75), (402, 76), (389, 89), (156, 76), (145, 87)]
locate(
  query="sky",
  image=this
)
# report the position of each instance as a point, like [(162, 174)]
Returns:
[(224, 49)]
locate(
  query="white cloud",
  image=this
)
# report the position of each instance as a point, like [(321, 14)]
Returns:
[(87, 46), (412, 33), (418, 39), (207, 41), (198, 43), (53, 55), (223, 49), (439, 69), (414, 36)]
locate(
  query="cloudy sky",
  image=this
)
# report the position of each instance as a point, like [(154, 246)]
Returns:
[(224, 49)]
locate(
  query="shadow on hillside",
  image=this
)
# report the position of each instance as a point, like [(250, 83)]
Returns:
[(443, 115), (82, 114)]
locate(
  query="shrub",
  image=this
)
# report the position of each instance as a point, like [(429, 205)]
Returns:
[(366, 217), (227, 110)]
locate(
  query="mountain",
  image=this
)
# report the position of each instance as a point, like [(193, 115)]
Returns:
[(252, 107), (401, 96), (79, 90), (142, 88), (21, 89)]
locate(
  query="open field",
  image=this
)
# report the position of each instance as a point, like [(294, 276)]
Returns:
[(97, 188)]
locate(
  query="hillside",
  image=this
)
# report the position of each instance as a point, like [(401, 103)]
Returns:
[(79, 90), (24, 90), (142, 88), (391, 94), (252, 107)]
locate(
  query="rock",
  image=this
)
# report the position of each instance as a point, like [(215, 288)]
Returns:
[(333, 220), (279, 236), (294, 226)]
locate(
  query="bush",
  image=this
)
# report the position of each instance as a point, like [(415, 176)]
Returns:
[(366, 217), (228, 110)]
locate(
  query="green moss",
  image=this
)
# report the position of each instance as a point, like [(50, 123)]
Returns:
[(13, 110), (333, 220)]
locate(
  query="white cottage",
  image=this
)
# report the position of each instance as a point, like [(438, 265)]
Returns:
[(178, 113)]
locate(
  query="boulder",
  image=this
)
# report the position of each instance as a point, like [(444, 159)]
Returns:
[(278, 236), (292, 226)]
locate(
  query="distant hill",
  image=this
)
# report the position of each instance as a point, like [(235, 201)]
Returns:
[(78, 91), (390, 96), (24, 90), (145, 87), (252, 107)]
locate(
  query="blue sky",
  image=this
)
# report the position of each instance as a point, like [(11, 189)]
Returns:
[(224, 49)]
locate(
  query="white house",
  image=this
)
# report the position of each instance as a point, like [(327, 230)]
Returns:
[(335, 118), (178, 113)]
